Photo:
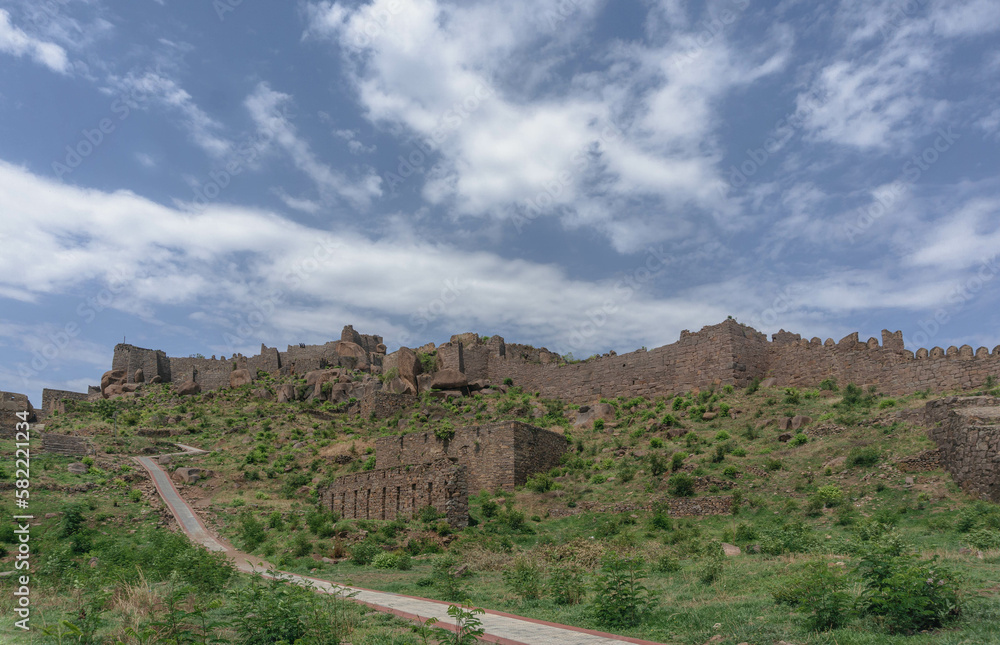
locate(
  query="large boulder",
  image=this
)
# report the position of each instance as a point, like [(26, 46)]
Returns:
[(351, 355), (408, 365), (239, 378), (800, 420), (188, 388), (449, 380), (78, 468), (140, 376), (285, 393), (397, 386), (587, 414), (111, 378), (187, 475)]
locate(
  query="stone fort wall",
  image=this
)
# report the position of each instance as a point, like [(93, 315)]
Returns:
[(388, 493), (727, 353), (497, 455)]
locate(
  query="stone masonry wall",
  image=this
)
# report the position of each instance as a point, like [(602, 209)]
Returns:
[(10, 404), (498, 455), (53, 400), (384, 404), (388, 493), (967, 432)]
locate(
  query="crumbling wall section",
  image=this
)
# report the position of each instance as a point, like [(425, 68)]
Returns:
[(401, 491), (967, 432)]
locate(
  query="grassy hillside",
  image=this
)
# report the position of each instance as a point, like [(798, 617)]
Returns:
[(837, 544)]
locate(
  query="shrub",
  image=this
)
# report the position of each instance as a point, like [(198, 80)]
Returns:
[(792, 396), (681, 485), (678, 404), (669, 421), (886, 403), (251, 531), (508, 381), (863, 456), (428, 514), (830, 496), (677, 460), (773, 464), (753, 386), (829, 384), (444, 576), (819, 594), (984, 539), (135, 495), (656, 442), (731, 472), (904, 595), (799, 439), (598, 424), (621, 599), (524, 579), (365, 552), (657, 465), (386, 561), (667, 563), (566, 584), (711, 570), (721, 435), (540, 483)]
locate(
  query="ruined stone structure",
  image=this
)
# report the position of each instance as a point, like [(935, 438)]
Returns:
[(498, 455), (352, 350), (421, 469), (388, 493), (12, 403), (55, 400), (967, 432), (727, 353)]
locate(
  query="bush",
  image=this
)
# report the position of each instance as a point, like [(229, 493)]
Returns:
[(819, 594), (508, 381), (792, 396), (830, 496), (667, 563), (428, 514), (598, 424), (677, 461), (251, 531), (566, 584), (657, 465), (524, 579), (681, 485), (444, 576), (886, 403), (799, 439), (540, 483), (904, 595), (863, 456), (656, 442), (621, 599), (753, 386), (386, 561), (829, 384), (365, 552), (984, 539)]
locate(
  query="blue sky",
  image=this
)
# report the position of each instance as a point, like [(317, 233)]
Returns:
[(576, 174)]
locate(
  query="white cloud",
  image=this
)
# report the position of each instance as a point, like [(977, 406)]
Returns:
[(353, 144), (16, 42), (146, 160), (454, 75), (299, 204), (164, 91), (265, 107)]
